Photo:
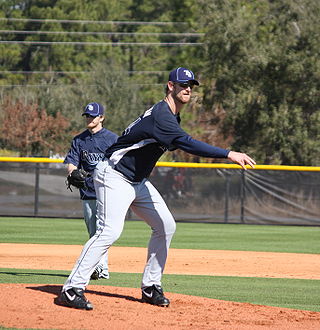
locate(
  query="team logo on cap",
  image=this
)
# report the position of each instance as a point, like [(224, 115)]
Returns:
[(188, 73), (90, 107)]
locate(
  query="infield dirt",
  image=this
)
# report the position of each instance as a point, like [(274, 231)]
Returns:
[(33, 305)]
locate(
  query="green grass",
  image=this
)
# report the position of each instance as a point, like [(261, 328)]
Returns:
[(291, 293), (293, 239)]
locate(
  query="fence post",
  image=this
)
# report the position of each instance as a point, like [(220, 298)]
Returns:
[(226, 200), (242, 195), (36, 189)]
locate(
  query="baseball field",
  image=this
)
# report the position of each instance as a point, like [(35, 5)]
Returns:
[(217, 277)]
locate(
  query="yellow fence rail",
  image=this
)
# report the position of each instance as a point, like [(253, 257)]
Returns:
[(178, 164)]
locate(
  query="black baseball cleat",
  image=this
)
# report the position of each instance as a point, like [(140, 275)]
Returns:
[(95, 274), (154, 295), (74, 298), (98, 274)]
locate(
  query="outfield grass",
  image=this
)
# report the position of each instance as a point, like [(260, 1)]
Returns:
[(293, 239), (291, 293)]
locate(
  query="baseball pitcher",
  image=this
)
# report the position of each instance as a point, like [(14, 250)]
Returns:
[(121, 181)]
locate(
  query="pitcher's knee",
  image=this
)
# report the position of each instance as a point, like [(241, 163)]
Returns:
[(110, 236), (167, 229), (170, 229)]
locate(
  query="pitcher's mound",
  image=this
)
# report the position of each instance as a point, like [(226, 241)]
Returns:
[(34, 306)]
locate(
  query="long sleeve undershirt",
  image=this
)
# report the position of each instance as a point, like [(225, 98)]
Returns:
[(199, 148)]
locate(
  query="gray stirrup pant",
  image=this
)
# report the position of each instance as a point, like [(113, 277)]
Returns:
[(115, 194)]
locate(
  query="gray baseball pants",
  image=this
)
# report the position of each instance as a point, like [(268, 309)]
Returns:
[(115, 194), (90, 213)]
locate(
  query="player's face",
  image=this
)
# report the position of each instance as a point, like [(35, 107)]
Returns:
[(93, 122), (182, 92)]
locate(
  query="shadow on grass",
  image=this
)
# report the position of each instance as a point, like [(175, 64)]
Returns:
[(24, 273)]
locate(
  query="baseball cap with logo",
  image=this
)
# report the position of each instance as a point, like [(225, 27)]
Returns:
[(182, 75), (93, 109)]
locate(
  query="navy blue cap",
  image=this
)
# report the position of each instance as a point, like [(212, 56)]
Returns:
[(182, 75), (93, 109)]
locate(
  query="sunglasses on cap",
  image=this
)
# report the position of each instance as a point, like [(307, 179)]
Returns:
[(186, 85)]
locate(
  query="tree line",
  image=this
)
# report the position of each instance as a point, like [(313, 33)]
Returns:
[(258, 63)]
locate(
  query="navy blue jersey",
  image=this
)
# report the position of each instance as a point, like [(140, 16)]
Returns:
[(144, 141), (86, 151)]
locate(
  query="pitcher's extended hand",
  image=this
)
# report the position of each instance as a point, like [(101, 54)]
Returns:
[(241, 159)]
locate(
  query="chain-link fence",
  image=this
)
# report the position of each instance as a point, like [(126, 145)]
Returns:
[(222, 195)]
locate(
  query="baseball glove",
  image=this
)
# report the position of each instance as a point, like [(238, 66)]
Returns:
[(77, 178)]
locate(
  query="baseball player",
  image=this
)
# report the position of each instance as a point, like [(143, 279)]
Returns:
[(121, 181), (87, 149)]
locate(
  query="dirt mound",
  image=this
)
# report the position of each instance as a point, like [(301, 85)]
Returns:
[(34, 306)]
